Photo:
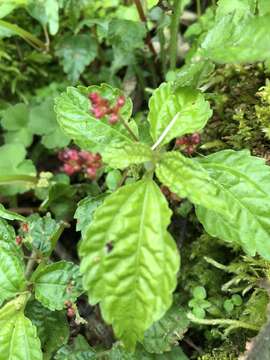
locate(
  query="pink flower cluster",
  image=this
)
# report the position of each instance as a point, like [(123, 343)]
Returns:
[(101, 107), (188, 142), (76, 161)]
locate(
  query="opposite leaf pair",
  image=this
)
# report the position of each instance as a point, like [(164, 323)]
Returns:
[(129, 260)]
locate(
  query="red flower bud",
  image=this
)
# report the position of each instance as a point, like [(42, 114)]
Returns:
[(94, 97), (181, 141), (73, 154), (113, 119), (121, 101), (70, 312), (91, 172), (195, 138), (25, 227), (18, 240), (69, 169), (189, 149)]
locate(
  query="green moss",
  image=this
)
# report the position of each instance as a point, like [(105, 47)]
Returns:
[(241, 110)]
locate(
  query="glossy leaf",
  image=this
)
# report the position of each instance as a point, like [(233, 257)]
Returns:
[(12, 269), (184, 177), (10, 215), (122, 156), (238, 41), (56, 283), (243, 183), (52, 327), (165, 333), (17, 333), (74, 115), (75, 53), (128, 240), (178, 111)]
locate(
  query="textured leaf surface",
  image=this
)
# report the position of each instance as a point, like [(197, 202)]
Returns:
[(243, 183), (12, 279), (75, 53), (183, 110), (52, 327), (166, 332), (129, 260), (18, 336), (74, 115), (40, 235), (120, 157), (238, 41), (56, 283), (184, 177), (194, 74)]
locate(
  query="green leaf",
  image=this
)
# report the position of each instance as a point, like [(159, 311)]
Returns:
[(41, 233), (151, 3), (17, 333), (52, 327), (184, 177), (12, 269), (56, 283), (113, 179), (7, 6), (178, 111), (43, 122), (238, 41), (128, 240), (85, 211), (239, 7), (10, 215), (74, 115), (126, 38), (199, 292), (16, 121), (194, 74), (12, 166), (46, 12), (119, 353), (166, 332), (75, 53), (243, 183), (7, 233), (79, 350), (122, 156)]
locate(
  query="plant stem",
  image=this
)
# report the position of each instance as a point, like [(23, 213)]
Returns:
[(223, 322), (199, 9), (144, 20), (177, 8), (10, 179), (27, 36), (30, 265)]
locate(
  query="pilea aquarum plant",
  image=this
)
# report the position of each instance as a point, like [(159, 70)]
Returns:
[(129, 259)]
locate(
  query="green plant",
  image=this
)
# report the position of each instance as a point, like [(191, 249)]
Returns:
[(140, 184)]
